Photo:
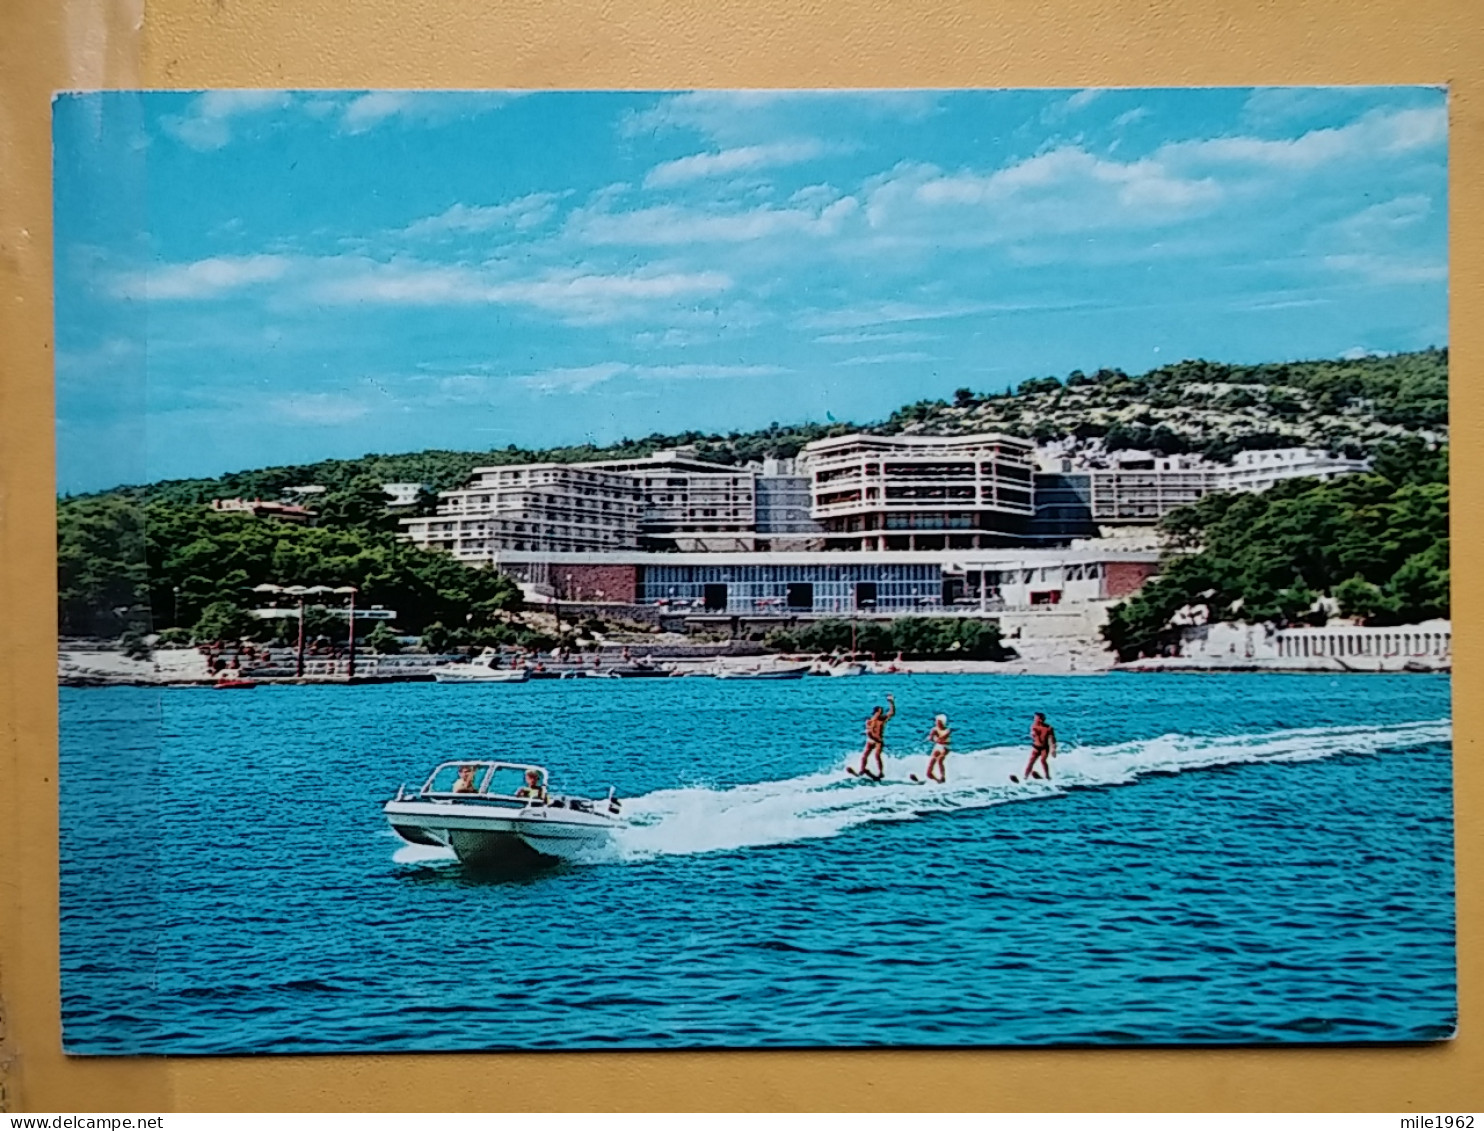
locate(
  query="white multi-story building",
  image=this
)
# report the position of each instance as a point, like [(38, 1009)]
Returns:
[(920, 492), (689, 503), (536, 506), (1257, 471), (402, 494), (1140, 488)]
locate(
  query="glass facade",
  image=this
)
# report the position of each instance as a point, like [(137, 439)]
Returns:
[(781, 589)]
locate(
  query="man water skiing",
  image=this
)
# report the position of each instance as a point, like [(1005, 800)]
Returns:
[(1043, 746), (875, 740)]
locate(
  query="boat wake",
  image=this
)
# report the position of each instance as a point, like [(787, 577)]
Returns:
[(826, 803)]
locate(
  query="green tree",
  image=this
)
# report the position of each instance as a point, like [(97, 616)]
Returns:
[(383, 641), (436, 638), (222, 620)]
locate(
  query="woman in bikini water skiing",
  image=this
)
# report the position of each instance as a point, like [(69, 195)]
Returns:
[(939, 736)]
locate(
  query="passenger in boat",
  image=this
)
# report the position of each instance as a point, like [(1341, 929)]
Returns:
[(1043, 745), (533, 787), (465, 784), (876, 738), (939, 736)]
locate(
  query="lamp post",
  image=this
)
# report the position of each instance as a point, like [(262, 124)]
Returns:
[(350, 663), (299, 655), (175, 606)]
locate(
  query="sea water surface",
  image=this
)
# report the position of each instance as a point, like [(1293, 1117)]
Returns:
[(1220, 858)]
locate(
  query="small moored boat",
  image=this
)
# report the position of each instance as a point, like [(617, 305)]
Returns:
[(482, 669), (501, 813), (763, 673)]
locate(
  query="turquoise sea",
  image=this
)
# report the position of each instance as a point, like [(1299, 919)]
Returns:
[(1220, 859)]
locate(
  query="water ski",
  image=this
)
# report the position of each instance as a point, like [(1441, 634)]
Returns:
[(853, 772)]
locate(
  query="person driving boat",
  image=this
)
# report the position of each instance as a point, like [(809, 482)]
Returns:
[(533, 788)]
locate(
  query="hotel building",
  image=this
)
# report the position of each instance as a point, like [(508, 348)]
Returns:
[(860, 525), (548, 507), (920, 492), (688, 503), (773, 584)]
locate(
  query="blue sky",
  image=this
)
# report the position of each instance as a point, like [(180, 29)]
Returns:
[(250, 278)]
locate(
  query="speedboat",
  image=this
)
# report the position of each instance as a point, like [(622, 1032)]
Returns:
[(762, 673), (501, 813), (840, 666), (481, 669)]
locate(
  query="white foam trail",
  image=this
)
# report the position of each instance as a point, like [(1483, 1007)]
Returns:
[(827, 803), (423, 854)]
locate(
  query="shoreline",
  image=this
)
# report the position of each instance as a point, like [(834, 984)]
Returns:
[(174, 668)]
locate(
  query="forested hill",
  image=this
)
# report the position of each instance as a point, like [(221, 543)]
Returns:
[(1213, 408), (1203, 406)]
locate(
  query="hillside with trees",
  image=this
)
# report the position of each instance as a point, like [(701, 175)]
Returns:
[(1376, 545), (1193, 406), (1211, 408), (157, 555)]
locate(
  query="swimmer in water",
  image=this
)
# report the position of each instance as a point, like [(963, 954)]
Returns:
[(939, 736), (1043, 746)]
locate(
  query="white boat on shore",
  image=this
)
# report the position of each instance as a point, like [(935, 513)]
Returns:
[(840, 666), (501, 813), (762, 673), (481, 669)]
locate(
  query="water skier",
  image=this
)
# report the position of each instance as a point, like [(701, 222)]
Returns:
[(939, 736), (1043, 746), (876, 739)]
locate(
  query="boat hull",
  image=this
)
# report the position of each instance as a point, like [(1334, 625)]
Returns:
[(493, 836), (786, 673), (486, 676)]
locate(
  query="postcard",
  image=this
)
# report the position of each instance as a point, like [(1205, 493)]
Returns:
[(753, 569)]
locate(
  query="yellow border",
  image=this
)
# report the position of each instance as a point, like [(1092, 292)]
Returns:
[(50, 44)]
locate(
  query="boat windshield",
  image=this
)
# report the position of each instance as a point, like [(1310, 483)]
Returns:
[(491, 779)]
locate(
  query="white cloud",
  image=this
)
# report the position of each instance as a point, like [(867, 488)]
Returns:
[(728, 162), (580, 379), (1271, 106), (1070, 189), (207, 122), (1386, 270), (576, 380), (1064, 190), (887, 313), (673, 224), (419, 107), (1084, 98), (572, 293), (749, 117), (203, 279), (1384, 132), (520, 215), (1380, 223), (901, 358), (702, 372), (1129, 117), (860, 337), (319, 408)]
